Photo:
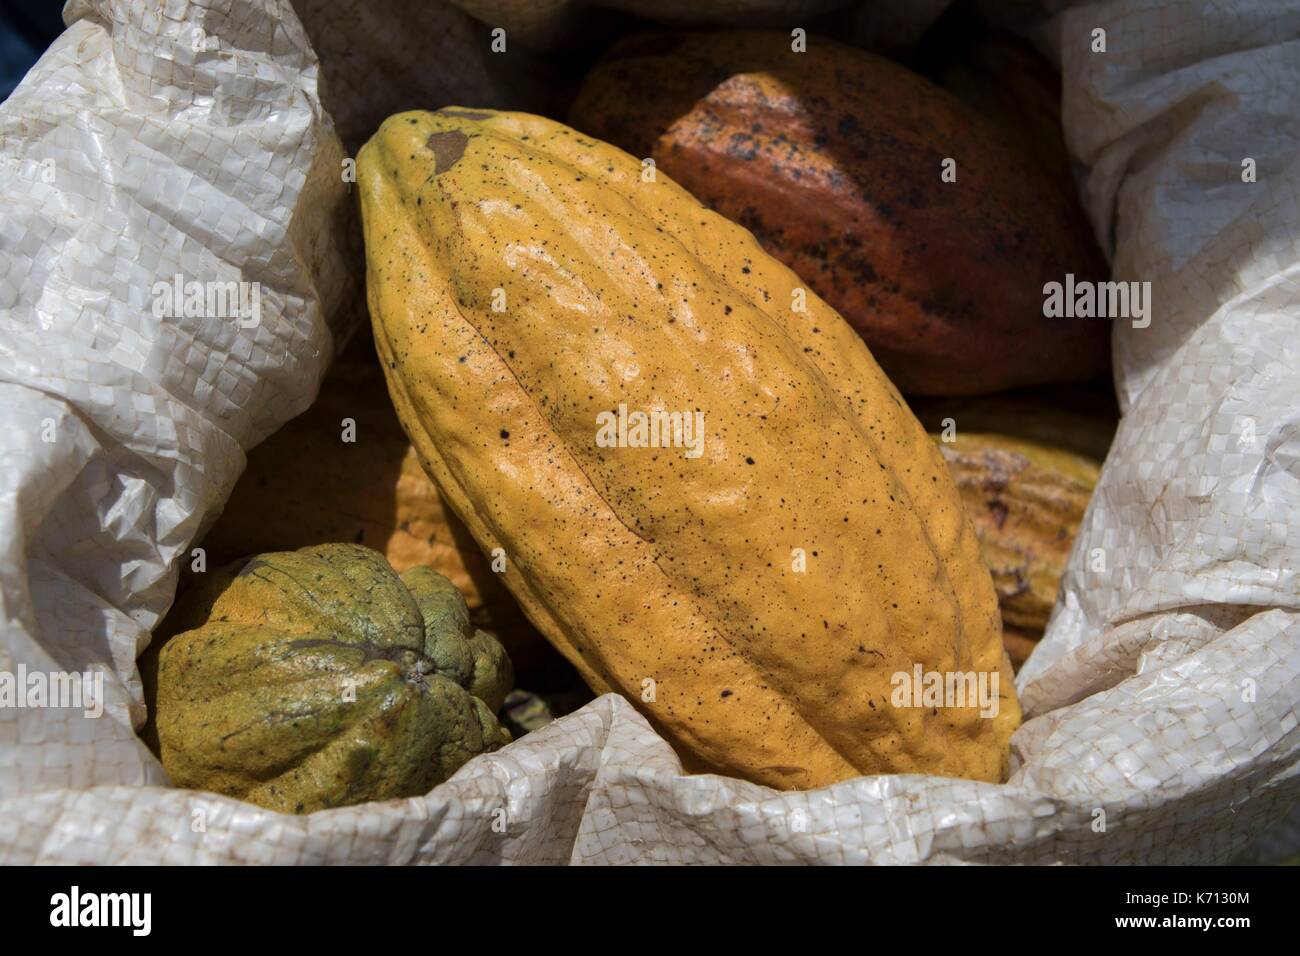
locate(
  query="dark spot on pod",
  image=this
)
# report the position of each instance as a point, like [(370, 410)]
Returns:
[(448, 147)]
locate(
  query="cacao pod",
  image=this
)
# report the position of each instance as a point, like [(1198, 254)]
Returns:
[(835, 159), (318, 678), (755, 593), (1027, 501)]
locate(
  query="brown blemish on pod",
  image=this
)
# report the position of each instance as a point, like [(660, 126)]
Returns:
[(448, 147)]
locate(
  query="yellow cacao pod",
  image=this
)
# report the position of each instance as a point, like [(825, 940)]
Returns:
[(1026, 500), (756, 596)]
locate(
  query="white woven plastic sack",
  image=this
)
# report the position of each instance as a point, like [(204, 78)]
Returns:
[(1162, 705)]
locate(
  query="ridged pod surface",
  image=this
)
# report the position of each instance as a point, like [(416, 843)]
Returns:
[(318, 678), (523, 279), (1026, 500)]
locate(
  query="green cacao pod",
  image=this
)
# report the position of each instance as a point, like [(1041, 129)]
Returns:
[(318, 678)]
